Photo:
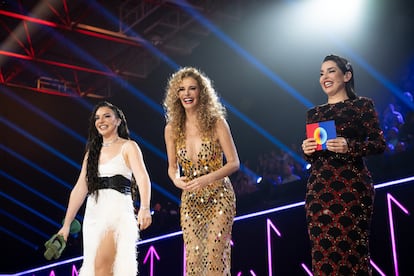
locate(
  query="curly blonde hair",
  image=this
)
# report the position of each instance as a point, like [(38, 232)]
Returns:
[(210, 108)]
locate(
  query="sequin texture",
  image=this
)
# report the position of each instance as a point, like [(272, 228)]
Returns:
[(340, 192), (206, 214)]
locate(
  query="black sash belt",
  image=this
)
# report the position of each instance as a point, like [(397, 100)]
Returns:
[(116, 182)]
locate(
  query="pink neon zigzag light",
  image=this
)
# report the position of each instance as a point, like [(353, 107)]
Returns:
[(391, 199), (269, 226)]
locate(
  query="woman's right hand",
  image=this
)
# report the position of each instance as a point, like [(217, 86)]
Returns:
[(309, 146), (64, 231)]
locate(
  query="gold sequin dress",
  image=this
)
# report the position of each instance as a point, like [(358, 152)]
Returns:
[(206, 214)]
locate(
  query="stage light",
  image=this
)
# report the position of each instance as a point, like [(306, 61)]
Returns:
[(329, 16)]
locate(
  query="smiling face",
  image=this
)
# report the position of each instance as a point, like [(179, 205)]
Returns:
[(332, 80), (189, 93), (106, 122)]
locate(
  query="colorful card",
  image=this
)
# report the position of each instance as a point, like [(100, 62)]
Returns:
[(322, 132)]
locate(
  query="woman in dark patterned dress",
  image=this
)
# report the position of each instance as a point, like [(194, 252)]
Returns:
[(197, 139), (340, 192)]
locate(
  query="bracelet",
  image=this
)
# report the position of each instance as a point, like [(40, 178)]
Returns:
[(144, 208)]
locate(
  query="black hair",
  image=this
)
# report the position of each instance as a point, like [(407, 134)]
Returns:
[(345, 66)]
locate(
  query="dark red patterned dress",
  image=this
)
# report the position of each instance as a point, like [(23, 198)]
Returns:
[(340, 192)]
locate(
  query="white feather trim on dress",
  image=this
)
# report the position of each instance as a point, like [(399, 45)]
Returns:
[(113, 211)]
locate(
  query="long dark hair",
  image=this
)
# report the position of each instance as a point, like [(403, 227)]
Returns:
[(345, 66), (94, 144)]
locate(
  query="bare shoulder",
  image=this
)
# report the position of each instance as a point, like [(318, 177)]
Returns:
[(131, 145), (222, 124), (168, 131), (168, 127)]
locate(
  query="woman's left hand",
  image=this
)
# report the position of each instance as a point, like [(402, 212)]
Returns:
[(337, 145), (144, 218)]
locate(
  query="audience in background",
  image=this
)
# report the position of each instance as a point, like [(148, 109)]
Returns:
[(392, 118), (407, 100), (244, 184), (288, 174), (406, 134), (393, 141), (398, 124)]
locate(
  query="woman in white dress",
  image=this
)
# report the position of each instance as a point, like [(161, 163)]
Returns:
[(112, 166)]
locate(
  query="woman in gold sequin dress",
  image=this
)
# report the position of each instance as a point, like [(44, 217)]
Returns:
[(197, 139), (340, 192)]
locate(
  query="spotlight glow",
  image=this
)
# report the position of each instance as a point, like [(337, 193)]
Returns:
[(331, 15)]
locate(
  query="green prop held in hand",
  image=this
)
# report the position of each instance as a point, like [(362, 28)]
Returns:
[(54, 247), (56, 244), (75, 226)]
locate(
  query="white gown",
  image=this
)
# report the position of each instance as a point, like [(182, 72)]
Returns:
[(113, 211)]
